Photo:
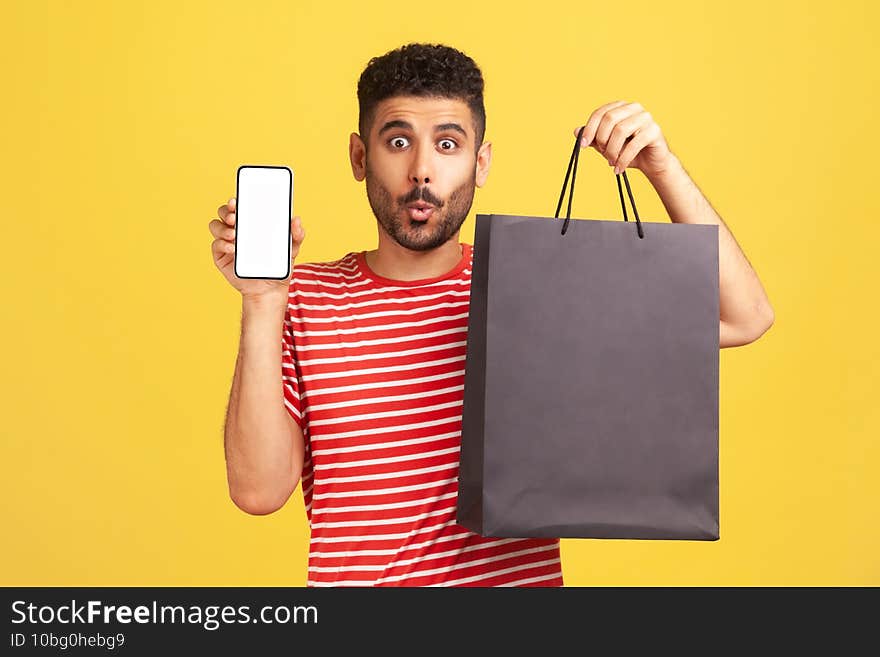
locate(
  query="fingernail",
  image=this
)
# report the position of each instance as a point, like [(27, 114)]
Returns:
[(583, 142)]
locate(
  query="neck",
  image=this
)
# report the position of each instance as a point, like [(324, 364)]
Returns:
[(391, 260)]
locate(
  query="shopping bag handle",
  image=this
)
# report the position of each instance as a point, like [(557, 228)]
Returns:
[(572, 170)]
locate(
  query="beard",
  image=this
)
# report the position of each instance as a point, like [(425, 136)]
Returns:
[(445, 221)]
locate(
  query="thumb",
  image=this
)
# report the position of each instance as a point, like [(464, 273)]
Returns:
[(584, 142)]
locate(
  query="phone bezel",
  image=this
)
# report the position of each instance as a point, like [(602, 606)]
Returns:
[(289, 210)]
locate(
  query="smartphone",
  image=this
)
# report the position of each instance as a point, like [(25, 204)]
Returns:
[(263, 203)]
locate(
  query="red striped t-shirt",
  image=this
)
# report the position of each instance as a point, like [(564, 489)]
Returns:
[(373, 373)]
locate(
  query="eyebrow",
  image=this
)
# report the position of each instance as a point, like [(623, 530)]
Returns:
[(408, 126)]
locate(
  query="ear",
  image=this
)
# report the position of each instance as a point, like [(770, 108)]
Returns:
[(484, 159), (357, 153)]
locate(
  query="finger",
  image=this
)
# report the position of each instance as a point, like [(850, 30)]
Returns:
[(620, 133), (641, 139), (593, 122), (219, 247), (224, 210), (610, 119), (220, 230), (297, 231)]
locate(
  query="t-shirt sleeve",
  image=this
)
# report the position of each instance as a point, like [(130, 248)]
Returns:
[(290, 373)]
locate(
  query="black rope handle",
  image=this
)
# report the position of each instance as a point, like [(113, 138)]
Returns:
[(572, 171)]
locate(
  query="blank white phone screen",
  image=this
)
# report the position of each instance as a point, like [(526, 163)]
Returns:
[(262, 222)]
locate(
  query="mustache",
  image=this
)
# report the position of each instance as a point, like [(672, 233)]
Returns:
[(421, 194)]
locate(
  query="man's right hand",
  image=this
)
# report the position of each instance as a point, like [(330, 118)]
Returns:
[(223, 250)]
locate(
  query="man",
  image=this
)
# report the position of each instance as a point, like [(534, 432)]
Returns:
[(370, 348)]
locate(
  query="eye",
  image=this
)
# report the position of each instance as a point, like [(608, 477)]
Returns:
[(399, 142), (447, 144)]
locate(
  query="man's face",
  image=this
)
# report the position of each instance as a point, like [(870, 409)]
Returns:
[(421, 168)]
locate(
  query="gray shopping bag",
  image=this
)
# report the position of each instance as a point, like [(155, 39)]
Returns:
[(591, 380)]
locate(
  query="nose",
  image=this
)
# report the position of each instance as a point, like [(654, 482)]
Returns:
[(421, 165)]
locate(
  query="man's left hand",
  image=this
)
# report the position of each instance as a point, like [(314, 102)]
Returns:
[(626, 135)]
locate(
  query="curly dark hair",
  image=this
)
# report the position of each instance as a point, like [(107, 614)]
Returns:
[(421, 69)]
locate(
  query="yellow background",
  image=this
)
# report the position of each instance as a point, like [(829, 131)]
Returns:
[(124, 123)]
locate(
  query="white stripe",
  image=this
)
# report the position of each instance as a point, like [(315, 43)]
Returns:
[(292, 408), (325, 269), (380, 537), (335, 346), (465, 273), (405, 562), (322, 283), (333, 274), (478, 562), (382, 400), (384, 491), (345, 262), (530, 580), (380, 553), (373, 329), (448, 283), (378, 302), (383, 354), (389, 445), (382, 370), (378, 522), (393, 505), (387, 461), (308, 394), (396, 428), (387, 313), (448, 569), (393, 413), (389, 475), (503, 571)]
